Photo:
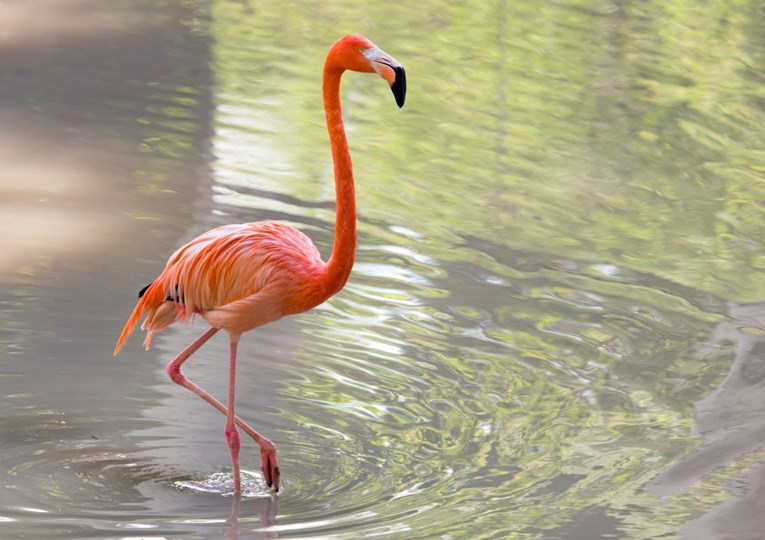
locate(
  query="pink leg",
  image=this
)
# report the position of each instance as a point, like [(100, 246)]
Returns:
[(232, 435), (268, 456)]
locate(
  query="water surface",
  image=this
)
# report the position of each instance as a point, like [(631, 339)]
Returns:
[(553, 328)]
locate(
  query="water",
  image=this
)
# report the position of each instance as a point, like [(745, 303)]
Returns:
[(554, 326)]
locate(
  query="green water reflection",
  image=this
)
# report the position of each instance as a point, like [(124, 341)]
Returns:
[(549, 232)]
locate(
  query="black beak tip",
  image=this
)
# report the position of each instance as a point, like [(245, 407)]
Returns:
[(399, 86)]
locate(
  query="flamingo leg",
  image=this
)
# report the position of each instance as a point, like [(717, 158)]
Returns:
[(269, 460), (232, 435)]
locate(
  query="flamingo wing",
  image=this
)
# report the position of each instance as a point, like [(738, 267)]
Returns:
[(237, 277)]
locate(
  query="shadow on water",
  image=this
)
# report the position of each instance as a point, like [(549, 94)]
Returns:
[(728, 420), (97, 103), (105, 110)]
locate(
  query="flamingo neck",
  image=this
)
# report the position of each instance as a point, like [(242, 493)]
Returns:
[(339, 265)]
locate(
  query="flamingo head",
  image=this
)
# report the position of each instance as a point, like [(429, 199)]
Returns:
[(357, 53)]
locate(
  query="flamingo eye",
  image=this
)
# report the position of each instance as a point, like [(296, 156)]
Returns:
[(362, 50)]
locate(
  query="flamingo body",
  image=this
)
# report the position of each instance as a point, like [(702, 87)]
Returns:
[(239, 277)]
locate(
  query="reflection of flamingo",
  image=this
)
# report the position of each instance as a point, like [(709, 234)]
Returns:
[(239, 277)]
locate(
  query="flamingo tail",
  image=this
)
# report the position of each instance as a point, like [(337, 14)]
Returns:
[(152, 300)]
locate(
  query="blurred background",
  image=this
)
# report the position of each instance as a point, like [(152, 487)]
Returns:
[(554, 327)]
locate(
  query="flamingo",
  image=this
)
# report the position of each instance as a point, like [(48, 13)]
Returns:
[(240, 277)]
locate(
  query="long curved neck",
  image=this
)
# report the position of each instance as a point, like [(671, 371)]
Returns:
[(341, 261)]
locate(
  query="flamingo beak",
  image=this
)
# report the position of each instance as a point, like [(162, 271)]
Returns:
[(399, 86), (389, 69)]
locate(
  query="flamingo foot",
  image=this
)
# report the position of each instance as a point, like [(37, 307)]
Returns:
[(269, 463)]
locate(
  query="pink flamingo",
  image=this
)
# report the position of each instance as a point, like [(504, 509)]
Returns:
[(239, 277)]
